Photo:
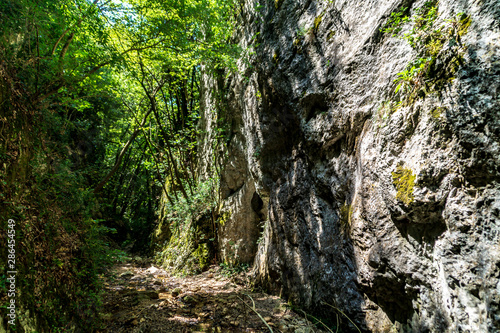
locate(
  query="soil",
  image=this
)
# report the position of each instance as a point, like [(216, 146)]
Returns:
[(141, 297)]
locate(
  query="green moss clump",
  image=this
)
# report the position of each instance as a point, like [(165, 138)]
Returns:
[(434, 47), (330, 35), (437, 112), (275, 58), (224, 217), (317, 22), (178, 253), (297, 44), (345, 218), (404, 180), (464, 24), (202, 254)]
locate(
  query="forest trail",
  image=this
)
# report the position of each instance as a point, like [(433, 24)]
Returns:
[(140, 297)]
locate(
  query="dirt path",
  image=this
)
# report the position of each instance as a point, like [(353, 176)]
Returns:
[(143, 298)]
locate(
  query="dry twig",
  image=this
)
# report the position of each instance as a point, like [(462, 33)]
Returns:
[(253, 309)]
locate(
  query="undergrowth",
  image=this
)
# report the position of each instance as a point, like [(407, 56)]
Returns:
[(438, 47), (229, 270), (188, 250), (60, 248)]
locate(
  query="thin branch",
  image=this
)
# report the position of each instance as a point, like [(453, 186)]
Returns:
[(66, 46), (62, 83), (54, 48), (122, 153)]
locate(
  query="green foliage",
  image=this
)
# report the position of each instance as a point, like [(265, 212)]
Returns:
[(62, 249), (404, 180), (184, 210), (432, 42), (410, 79), (302, 31), (229, 270), (78, 80), (395, 22), (188, 251), (317, 22)]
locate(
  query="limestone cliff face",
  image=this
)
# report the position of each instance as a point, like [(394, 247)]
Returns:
[(389, 212)]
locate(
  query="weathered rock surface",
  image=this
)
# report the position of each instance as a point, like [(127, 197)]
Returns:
[(392, 216)]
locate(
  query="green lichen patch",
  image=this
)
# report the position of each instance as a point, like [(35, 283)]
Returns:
[(437, 112), (202, 254), (275, 58), (464, 24), (345, 218), (224, 217), (404, 180), (317, 22), (187, 251), (330, 35), (385, 110)]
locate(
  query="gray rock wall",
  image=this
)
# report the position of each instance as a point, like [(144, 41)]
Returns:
[(390, 214)]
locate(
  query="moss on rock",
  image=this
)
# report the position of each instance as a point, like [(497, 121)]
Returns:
[(275, 58), (317, 22), (437, 112), (464, 24), (331, 35), (404, 180), (345, 218)]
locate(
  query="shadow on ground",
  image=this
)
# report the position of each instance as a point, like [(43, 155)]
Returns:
[(140, 297)]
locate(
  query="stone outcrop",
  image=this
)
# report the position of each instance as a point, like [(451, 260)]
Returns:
[(349, 196)]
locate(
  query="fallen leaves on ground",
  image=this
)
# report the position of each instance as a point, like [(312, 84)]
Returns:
[(149, 299)]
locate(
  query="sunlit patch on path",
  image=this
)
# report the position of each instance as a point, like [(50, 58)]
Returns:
[(141, 297)]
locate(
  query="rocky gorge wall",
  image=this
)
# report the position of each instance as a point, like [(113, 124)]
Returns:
[(349, 191)]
